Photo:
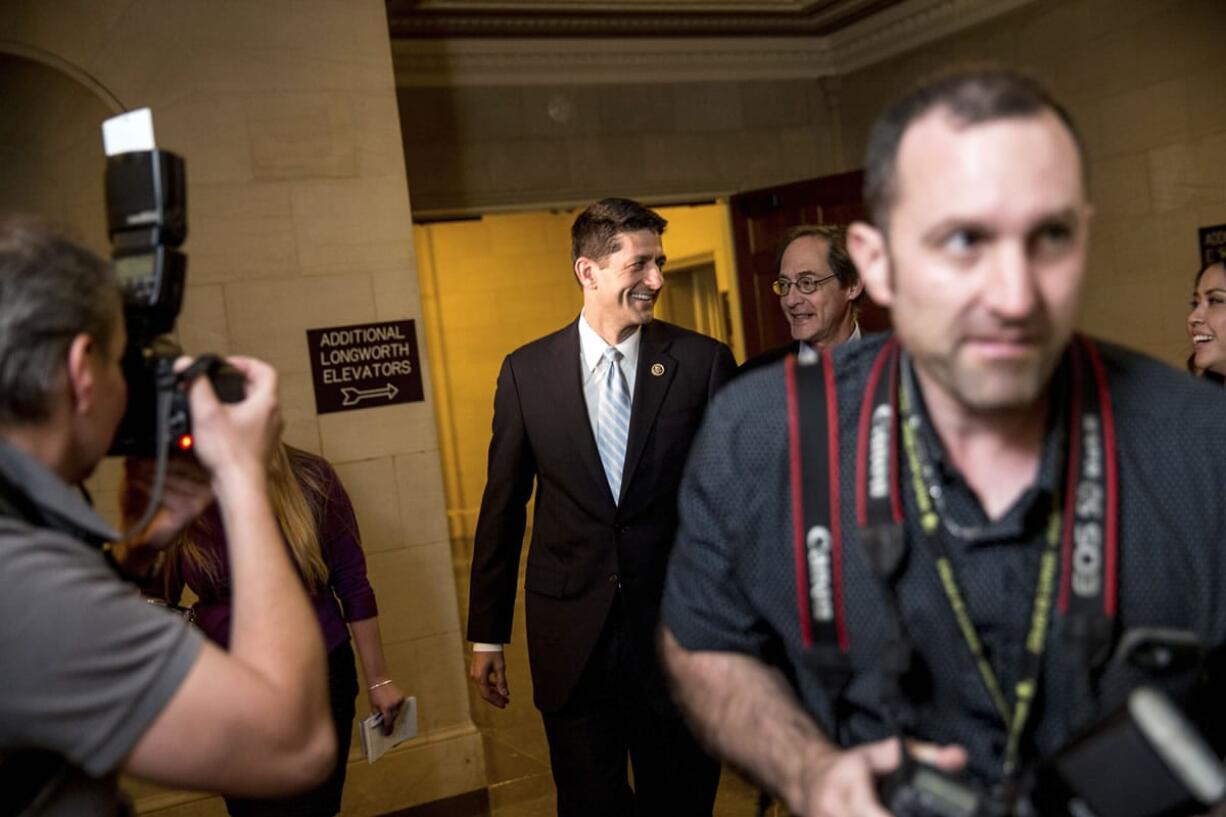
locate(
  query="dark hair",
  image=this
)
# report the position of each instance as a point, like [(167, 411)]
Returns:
[(1207, 374), (51, 290), (1201, 272), (1211, 376), (837, 256), (972, 96), (594, 233)]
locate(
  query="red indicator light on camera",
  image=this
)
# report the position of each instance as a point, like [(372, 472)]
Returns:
[(186, 442)]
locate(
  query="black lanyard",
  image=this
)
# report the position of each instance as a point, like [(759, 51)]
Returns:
[(816, 519), (1083, 539)]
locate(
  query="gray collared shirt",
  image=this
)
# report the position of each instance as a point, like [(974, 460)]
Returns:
[(88, 665), (51, 495)]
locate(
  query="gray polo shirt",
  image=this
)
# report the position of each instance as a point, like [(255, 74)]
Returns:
[(87, 664)]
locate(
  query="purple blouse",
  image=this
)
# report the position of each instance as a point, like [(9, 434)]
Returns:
[(342, 554)]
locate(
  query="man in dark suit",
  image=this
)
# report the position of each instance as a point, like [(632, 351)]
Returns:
[(819, 291), (600, 416)]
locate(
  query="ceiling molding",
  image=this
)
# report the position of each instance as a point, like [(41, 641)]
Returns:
[(910, 25), (607, 60), (647, 6), (433, 19)]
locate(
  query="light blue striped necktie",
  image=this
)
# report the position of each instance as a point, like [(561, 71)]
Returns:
[(613, 420)]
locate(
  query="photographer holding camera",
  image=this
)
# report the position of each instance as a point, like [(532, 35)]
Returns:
[(95, 680), (1003, 528)]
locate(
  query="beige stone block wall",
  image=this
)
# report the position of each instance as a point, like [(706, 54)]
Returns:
[(49, 154), (1144, 81), (299, 218)]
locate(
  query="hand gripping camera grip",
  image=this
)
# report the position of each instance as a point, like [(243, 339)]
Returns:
[(917, 789)]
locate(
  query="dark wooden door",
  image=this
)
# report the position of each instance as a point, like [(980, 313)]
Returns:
[(759, 220)]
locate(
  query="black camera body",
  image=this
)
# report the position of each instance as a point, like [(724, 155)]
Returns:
[(146, 206), (916, 789), (1144, 760)]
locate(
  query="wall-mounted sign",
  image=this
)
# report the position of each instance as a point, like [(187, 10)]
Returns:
[(365, 366), (1212, 244)]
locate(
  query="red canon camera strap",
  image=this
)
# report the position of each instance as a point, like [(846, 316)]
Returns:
[(816, 521), (1087, 597)]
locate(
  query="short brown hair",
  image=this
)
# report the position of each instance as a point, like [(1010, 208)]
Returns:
[(972, 95), (835, 236), (594, 233)]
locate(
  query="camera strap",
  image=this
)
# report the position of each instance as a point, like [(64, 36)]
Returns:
[(1077, 530), (1089, 556), (1077, 572), (816, 522), (27, 776)]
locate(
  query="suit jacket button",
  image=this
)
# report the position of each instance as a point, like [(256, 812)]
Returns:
[(613, 579)]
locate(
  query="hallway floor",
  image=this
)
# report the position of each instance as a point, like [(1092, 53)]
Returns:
[(516, 753)]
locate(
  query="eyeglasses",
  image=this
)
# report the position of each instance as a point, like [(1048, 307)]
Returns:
[(807, 284)]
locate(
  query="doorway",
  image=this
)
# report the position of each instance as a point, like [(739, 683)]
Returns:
[(488, 286), (759, 220), (691, 298)]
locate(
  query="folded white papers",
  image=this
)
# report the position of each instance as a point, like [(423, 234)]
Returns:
[(375, 743)]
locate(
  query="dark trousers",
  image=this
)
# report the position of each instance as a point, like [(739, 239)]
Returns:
[(615, 712), (325, 799)]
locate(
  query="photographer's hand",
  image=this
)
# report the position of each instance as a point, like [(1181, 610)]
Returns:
[(185, 495), (272, 678), (233, 439), (844, 782), (747, 712)]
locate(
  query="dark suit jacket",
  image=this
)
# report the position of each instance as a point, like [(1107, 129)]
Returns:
[(584, 546)]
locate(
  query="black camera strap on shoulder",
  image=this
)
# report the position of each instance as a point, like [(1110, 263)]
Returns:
[(816, 522), (25, 776), (1078, 568), (1088, 599)]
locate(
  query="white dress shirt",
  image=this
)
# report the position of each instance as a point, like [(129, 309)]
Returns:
[(808, 355), (591, 352)]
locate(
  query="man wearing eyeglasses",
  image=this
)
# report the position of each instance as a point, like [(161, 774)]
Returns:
[(818, 288)]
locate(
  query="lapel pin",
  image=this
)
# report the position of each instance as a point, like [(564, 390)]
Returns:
[(657, 369)]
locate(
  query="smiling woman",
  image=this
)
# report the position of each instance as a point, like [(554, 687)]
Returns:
[(1207, 323)]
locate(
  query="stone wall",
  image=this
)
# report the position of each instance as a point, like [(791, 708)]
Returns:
[(299, 217), (1144, 81)]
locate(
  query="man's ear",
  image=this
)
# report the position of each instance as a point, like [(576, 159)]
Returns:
[(855, 289), (866, 245), (585, 272), (81, 377)]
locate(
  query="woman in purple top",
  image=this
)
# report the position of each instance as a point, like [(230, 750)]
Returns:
[(321, 532)]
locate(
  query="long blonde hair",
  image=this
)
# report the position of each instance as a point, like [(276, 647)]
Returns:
[(297, 492)]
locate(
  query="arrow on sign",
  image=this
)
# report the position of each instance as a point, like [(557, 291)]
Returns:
[(354, 396)]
